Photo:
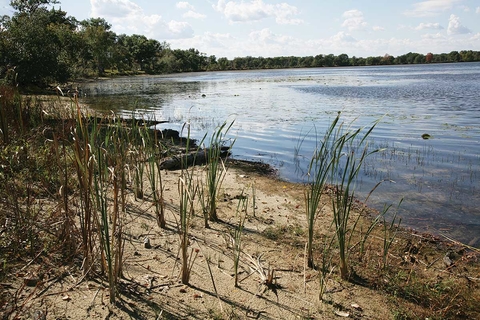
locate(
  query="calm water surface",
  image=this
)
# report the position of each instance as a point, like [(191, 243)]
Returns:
[(275, 109)]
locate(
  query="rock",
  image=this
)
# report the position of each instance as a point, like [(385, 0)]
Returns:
[(146, 243), (447, 259)]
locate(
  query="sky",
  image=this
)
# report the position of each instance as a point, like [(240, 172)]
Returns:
[(269, 28)]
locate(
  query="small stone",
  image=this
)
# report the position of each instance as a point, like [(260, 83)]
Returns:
[(31, 281), (146, 243), (446, 259), (356, 306)]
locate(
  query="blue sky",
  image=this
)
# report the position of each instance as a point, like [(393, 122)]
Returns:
[(236, 28)]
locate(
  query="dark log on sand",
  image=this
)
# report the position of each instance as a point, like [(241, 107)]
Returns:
[(190, 159), (127, 121)]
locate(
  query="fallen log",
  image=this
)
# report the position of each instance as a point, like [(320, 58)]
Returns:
[(191, 159)]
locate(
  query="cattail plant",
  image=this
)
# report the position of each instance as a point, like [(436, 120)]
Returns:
[(154, 176), (318, 173), (187, 192), (348, 158), (389, 235), (84, 165), (216, 169), (237, 234)]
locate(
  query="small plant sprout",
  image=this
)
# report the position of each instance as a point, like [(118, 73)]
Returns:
[(389, 235), (326, 267), (237, 234)]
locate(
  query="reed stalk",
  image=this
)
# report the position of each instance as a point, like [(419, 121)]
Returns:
[(155, 176), (318, 173), (84, 165), (326, 268), (237, 234), (348, 159), (187, 191), (389, 235), (216, 169)]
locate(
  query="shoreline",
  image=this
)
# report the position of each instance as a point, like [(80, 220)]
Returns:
[(259, 239)]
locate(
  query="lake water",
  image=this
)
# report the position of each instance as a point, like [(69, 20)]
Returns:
[(275, 109)]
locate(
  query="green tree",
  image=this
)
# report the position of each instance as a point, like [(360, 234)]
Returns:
[(342, 60), (318, 61), (30, 6), (387, 59), (454, 56), (329, 60), (99, 41), (467, 55), (420, 58), (223, 63), (140, 51), (35, 45)]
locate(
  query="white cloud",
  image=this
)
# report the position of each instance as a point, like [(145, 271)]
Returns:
[(423, 26), (256, 10), (343, 37), (209, 43), (430, 8), (378, 28), (114, 8), (194, 15), (191, 13), (455, 26), (465, 8), (478, 10), (353, 20), (127, 17), (184, 5), (433, 36)]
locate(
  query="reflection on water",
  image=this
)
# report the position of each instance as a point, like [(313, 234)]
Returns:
[(275, 109)]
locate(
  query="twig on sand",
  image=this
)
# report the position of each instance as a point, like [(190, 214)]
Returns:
[(460, 244), (266, 275)]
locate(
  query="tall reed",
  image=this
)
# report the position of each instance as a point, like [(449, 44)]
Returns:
[(349, 156), (100, 148), (85, 167), (237, 233), (187, 191), (216, 169), (389, 235), (318, 173), (155, 179)]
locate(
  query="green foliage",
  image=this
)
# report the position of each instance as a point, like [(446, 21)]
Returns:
[(35, 48)]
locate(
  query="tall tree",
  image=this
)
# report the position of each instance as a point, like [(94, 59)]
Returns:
[(30, 6), (99, 40), (34, 46)]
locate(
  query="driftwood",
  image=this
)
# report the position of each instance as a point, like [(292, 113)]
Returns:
[(127, 121), (192, 158)]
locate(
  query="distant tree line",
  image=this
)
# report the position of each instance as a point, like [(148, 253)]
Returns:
[(42, 46)]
